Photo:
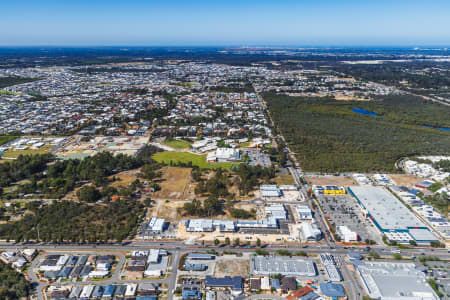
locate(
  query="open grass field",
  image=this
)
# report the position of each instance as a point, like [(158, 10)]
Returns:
[(185, 157), (178, 144), (244, 145), (13, 154), (4, 139), (175, 184)]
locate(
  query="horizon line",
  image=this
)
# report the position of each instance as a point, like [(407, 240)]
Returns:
[(419, 46)]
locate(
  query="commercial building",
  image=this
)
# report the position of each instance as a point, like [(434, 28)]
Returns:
[(236, 283), (345, 234), (332, 290), (270, 191), (328, 190), (310, 232), (329, 264), (156, 225), (76, 291), (194, 267), (394, 281), (389, 214), (109, 291), (98, 291), (288, 284), (304, 212), (224, 155), (157, 261), (87, 291), (209, 225), (98, 274), (200, 256), (131, 290), (276, 211), (268, 265), (288, 187), (327, 259), (333, 273), (268, 223), (425, 184), (191, 294)]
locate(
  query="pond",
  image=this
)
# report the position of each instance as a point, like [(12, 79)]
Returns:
[(438, 128), (363, 111)]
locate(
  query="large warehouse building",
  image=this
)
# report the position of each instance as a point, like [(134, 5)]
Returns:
[(390, 215), (392, 281), (268, 265)]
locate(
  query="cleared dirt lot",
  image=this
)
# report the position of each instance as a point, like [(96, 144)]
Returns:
[(167, 210), (330, 180), (176, 184), (284, 179), (123, 179), (402, 179), (232, 267)]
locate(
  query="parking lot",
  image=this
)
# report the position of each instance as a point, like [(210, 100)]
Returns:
[(343, 210), (257, 158), (440, 271)]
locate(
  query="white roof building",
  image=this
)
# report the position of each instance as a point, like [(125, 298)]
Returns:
[(310, 232), (87, 291), (270, 191), (209, 225), (156, 224), (131, 290), (153, 256), (304, 212), (98, 274), (227, 154), (346, 234), (276, 211), (62, 260), (265, 285), (394, 281)]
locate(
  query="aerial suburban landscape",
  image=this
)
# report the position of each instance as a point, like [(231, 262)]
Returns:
[(254, 173), (225, 150)]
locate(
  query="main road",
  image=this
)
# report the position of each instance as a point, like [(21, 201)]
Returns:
[(178, 248)]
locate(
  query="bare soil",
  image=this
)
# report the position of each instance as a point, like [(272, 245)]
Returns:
[(330, 180), (176, 183), (238, 267)]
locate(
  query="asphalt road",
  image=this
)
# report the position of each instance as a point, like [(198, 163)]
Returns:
[(440, 252), (178, 248)]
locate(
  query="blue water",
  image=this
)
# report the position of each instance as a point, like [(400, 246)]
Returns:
[(363, 111), (438, 128)]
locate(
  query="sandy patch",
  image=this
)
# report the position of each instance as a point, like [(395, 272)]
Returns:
[(231, 267), (407, 180), (330, 180), (124, 179), (167, 209), (176, 184)]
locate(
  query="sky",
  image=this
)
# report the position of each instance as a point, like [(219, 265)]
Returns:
[(225, 23)]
